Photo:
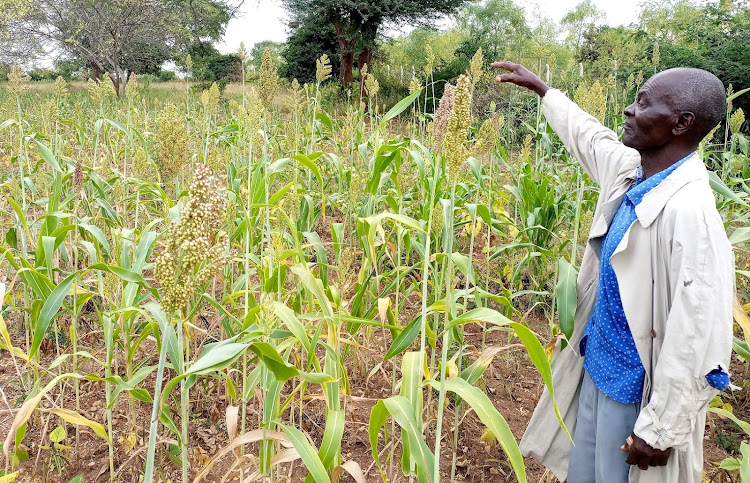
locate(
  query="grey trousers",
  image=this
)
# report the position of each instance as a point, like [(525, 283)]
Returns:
[(602, 427)]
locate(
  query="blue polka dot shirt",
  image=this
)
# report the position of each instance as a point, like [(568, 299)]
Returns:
[(611, 359)]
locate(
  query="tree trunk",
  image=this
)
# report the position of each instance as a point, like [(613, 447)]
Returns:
[(346, 46), (115, 78), (96, 72)]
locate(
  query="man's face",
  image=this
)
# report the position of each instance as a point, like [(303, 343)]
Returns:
[(650, 119)]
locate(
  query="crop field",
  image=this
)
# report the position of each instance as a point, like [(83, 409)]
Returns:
[(292, 283)]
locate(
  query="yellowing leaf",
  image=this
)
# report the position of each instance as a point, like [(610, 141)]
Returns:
[(58, 434), (488, 436), (9, 478), (74, 418), (741, 318), (128, 441)]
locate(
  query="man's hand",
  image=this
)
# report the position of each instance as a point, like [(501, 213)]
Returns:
[(521, 76), (641, 454)]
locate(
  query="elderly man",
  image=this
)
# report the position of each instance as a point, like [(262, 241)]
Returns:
[(653, 330)]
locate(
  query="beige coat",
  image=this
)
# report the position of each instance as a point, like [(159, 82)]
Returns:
[(675, 270)]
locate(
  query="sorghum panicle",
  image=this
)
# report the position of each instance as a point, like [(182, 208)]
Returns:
[(269, 79), (17, 80), (323, 68), (442, 115), (736, 121), (591, 99), (194, 252), (475, 67), (458, 127), (61, 87)]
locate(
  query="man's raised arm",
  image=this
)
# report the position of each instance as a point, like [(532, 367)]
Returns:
[(595, 146)]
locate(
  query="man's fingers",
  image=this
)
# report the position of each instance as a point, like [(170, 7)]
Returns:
[(505, 65), (632, 458), (662, 459), (505, 78)]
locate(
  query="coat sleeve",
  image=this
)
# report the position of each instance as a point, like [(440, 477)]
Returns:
[(596, 147), (698, 331)]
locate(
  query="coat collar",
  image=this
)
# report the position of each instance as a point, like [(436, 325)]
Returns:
[(654, 201)]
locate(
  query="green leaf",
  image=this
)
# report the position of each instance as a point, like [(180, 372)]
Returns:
[(48, 312), (330, 447), (271, 358), (400, 107), (217, 358), (479, 315), (737, 94), (491, 418), (724, 413), (47, 156), (463, 263), (378, 416), (316, 377), (718, 186), (539, 357), (740, 235), (97, 234), (310, 164), (745, 464), (287, 316), (566, 295), (411, 389), (127, 275), (314, 286), (402, 411), (741, 348), (472, 373), (307, 453), (731, 464), (404, 339)]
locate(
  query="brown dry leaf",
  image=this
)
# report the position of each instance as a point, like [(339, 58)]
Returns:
[(247, 438), (232, 420), (351, 467), (285, 456), (383, 305)]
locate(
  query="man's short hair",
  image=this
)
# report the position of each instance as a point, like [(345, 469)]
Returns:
[(703, 94)]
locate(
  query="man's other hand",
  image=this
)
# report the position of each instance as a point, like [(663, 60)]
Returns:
[(641, 454), (521, 76)]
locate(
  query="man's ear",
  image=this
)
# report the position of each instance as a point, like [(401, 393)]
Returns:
[(684, 122)]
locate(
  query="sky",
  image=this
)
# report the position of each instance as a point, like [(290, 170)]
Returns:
[(265, 19)]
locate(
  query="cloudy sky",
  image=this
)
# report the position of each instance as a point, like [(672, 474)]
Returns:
[(264, 19)]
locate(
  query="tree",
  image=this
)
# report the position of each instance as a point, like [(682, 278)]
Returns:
[(119, 37), (357, 23), (580, 21), (494, 25), (257, 52), (308, 41)]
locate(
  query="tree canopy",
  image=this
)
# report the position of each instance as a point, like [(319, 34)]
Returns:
[(116, 36), (358, 22)]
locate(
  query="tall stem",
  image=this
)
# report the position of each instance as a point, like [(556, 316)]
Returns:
[(154, 425), (184, 401), (446, 333)]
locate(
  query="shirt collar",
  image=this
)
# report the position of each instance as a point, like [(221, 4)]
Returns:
[(641, 186)]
